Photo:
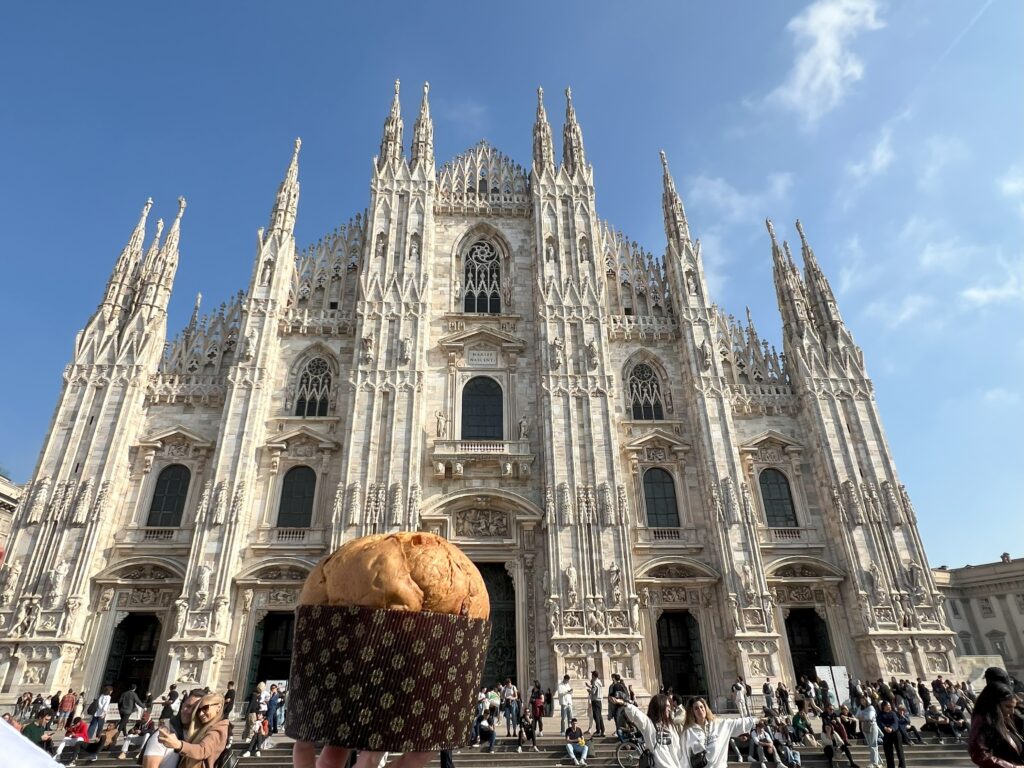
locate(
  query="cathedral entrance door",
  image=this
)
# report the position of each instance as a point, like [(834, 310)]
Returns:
[(501, 656), (682, 657), (808, 641), (271, 649), (132, 654)]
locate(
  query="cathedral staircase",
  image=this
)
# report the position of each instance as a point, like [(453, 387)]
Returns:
[(552, 753)]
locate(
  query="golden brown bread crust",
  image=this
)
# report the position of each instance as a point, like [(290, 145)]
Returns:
[(403, 571)]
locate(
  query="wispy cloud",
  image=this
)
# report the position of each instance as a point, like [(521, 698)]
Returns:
[(855, 271), (879, 159), (734, 206), (899, 312), (1001, 396), (936, 248), (940, 153), (825, 67), (1007, 286), (1011, 185)]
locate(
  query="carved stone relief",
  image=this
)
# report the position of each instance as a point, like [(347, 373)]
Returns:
[(481, 523)]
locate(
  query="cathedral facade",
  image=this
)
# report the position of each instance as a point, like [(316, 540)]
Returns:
[(648, 488)]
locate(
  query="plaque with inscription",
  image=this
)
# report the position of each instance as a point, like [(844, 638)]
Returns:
[(482, 357)]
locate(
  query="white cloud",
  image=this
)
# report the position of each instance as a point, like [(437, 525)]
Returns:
[(1011, 185), (1005, 287), (936, 249), (910, 307), (1001, 396), (940, 153), (735, 206), (878, 161), (855, 271), (825, 67)]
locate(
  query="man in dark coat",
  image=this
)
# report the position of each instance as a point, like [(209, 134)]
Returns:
[(125, 707)]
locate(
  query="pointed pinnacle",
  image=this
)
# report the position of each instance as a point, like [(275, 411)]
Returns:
[(394, 101), (800, 229), (664, 160), (771, 229)]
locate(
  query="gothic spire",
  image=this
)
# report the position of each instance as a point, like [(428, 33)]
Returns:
[(193, 322), (423, 134), (789, 287), (391, 140), (676, 226), (543, 146), (128, 260), (169, 253), (573, 158), (282, 217), (819, 291)]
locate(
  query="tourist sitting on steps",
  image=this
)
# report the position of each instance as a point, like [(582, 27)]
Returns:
[(575, 744)]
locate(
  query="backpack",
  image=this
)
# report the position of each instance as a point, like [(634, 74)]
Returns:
[(91, 709), (750, 691)]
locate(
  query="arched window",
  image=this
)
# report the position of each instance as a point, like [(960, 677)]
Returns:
[(660, 497), (312, 395), (778, 500), (483, 279), (645, 394), (482, 410), (169, 497), (296, 510)]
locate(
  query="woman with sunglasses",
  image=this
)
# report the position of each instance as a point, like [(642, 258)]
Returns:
[(661, 736), (706, 739), (206, 737)]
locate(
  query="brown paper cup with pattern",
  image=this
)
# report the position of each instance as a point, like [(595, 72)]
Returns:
[(384, 680)]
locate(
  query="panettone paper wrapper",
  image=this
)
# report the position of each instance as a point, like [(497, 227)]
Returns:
[(384, 680)]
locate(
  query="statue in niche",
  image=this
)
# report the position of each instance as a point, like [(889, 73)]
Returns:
[(691, 284), (414, 250), (549, 252), (592, 354), (247, 598), (571, 584), (26, 618), (524, 428), (71, 608), (405, 350), (584, 251), (11, 573), (748, 583), (367, 344), (615, 584), (106, 598), (877, 582), (634, 612), (56, 581), (595, 617), (267, 273), (915, 574), (557, 347), (382, 243), (249, 349), (554, 618), (180, 613), (442, 425), (705, 356), (457, 288)]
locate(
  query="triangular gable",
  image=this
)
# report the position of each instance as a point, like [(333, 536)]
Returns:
[(458, 341), (770, 435), (303, 433), (658, 435), (161, 438)]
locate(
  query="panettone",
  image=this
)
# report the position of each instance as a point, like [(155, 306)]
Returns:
[(391, 636)]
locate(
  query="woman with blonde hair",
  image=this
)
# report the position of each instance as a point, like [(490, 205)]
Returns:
[(706, 739), (206, 737)]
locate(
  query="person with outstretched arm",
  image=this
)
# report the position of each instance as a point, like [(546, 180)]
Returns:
[(661, 737)]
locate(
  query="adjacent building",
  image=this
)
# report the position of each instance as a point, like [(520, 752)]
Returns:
[(648, 487), (985, 607)]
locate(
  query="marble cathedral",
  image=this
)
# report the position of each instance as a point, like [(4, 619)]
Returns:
[(647, 486)]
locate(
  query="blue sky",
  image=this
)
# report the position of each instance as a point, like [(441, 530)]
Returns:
[(892, 130)]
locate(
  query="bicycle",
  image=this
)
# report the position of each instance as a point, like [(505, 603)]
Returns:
[(630, 751)]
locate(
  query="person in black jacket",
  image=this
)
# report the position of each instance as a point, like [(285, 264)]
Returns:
[(125, 707), (251, 710)]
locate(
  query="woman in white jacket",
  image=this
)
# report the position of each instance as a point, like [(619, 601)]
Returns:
[(705, 735), (868, 717), (661, 737)]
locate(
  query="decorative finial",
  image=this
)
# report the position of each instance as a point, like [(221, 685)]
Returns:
[(199, 301), (397, 84), (181, 206), (540, 94), (568, 94), (664, 160), (771, 229), (800, 229), (298, 144), (426, 89)]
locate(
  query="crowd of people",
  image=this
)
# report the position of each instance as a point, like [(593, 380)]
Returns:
[(189, 729)]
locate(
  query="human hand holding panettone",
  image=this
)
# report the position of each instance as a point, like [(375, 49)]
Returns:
[(384, 622)]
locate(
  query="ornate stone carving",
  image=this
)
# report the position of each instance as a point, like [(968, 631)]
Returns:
[(481, 523), (614, 585), (220, 504), (12, 571), (796, 571), (145, 573), (896, 664), (35, 673), (413, 512), (397, 504), (106, 598), (565, 505), (355, 505), (622, 502), (572, 581), (201, 586), (671, 571)]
